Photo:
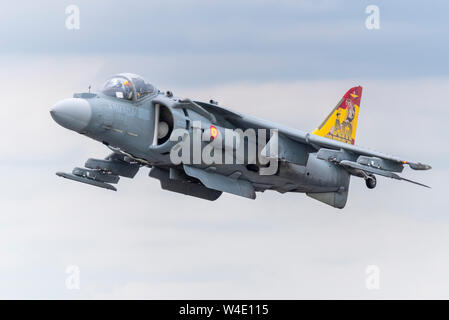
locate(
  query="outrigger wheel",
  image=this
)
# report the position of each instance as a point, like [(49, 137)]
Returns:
[(370, 181)]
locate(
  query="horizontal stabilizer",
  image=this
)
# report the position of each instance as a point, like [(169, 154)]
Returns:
[(418, 166), (356, 166)]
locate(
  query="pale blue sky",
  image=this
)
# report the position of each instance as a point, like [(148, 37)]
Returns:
[(221, 41)]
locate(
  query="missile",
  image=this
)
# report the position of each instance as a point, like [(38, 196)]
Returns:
[(86, 180)]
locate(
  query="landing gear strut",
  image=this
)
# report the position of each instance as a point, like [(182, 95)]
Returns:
[(370, 181)]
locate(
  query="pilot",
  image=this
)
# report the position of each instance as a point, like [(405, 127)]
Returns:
[(128, 92)]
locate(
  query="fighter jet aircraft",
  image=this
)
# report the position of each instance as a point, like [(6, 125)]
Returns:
[(178, 137)]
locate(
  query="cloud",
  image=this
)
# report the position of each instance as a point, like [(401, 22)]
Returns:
[(280, 40), (143, 242)]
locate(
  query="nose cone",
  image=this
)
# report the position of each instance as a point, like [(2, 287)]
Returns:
[(73, 113)]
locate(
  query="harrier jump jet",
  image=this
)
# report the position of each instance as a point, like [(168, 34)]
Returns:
[(139, 124)]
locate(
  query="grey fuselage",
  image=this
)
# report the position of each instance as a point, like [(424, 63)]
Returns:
[(145, 127), (128, 127)]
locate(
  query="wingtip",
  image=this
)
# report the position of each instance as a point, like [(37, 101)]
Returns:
[(418, 166)]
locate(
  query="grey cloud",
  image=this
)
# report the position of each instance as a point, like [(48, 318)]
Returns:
[(137, 243)]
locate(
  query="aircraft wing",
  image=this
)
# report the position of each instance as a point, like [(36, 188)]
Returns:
[(103, 172), (294, 145)]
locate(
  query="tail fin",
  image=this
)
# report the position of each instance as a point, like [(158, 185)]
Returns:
[(341, 123)]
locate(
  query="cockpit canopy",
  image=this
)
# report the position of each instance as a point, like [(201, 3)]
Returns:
[(128, 86)]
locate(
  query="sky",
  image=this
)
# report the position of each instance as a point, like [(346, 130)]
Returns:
[(286, 61)]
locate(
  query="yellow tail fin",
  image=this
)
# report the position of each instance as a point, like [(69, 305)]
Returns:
[(341, 123)]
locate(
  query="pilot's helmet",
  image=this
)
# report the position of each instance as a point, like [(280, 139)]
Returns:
[(115, 87), (123, 85)]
